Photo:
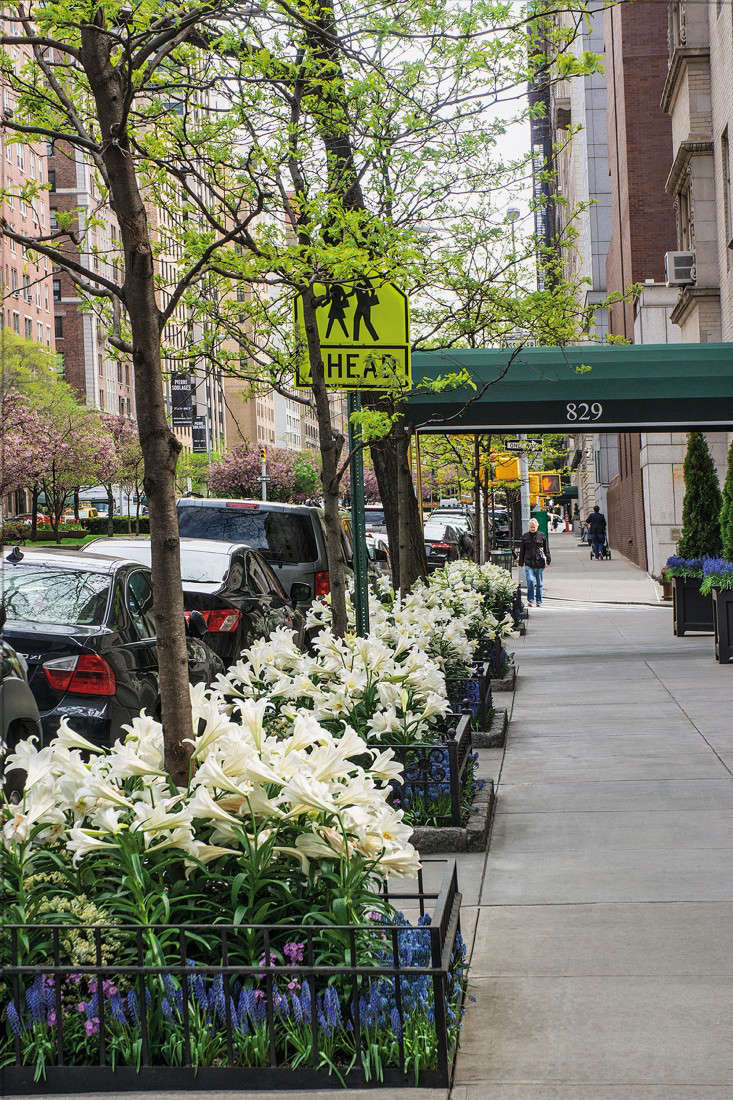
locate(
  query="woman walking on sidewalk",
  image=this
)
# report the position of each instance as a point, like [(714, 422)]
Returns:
[(534, 555)]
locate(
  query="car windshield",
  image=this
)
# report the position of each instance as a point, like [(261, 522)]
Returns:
[(279, 536), (435, 531), (45, 594), (374, 517), (200, 566)]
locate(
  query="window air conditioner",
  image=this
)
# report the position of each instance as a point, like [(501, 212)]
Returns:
[(679, 268)]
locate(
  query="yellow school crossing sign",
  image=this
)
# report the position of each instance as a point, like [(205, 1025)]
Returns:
[(364, 329)]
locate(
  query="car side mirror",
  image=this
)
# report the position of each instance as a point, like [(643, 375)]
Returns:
[(300, 592), (380, 554), (196, 625)]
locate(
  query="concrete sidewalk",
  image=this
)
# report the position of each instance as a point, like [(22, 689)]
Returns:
[(601, 919), (603, 958)]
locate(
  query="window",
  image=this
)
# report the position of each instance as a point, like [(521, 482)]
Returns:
[(27, 288), (20, 157), (100, 364), (122, 406), (140, 604), (69, 597), (725, 163), (28, 329), (40, 333), (101, 399), (52, 218), (48, 336), (58, 327), (52, 179), (128, 407), (14, 281), (685, 229), (16, 322), (127, 374), (119, 372)]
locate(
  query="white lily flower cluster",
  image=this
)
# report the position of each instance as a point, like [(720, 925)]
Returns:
[(449, 617), (306, 793)]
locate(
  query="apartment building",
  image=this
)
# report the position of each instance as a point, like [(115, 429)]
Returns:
[(579, 126), (102, 380), (698, 97), (28, 308)]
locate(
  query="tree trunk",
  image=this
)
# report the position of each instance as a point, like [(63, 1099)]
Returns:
[(110, 512), (137, 514), (76, 505), (331, 447), (401, 511), (160, 448)]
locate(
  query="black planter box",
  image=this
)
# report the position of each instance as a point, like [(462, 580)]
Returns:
[(691, 610), (723, 624)]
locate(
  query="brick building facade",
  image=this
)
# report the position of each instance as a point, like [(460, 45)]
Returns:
[(639, 153)]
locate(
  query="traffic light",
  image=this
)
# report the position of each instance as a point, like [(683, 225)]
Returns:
[(550, 485), (263, 453), (507, 468)]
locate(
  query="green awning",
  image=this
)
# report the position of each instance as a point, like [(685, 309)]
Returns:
[(643, 387)]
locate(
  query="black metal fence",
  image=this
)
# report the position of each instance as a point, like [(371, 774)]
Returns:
[(473, 694), (435, 775), (236, 1006)]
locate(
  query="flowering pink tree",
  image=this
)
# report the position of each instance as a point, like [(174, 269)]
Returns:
[(72, 450), (120, 462), (238, 473), (20, 441)]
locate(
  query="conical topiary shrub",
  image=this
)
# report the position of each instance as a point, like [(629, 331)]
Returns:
[(700, 537), (726, 511)]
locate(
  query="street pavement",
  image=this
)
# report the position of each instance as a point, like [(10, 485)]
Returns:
[(601, 919)]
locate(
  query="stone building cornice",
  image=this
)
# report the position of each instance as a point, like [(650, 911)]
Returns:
[(691, 296), (686, 151), (677, 63)]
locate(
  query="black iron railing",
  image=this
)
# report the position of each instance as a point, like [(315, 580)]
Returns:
[(236, 1006), (433, 789), (473, 694)]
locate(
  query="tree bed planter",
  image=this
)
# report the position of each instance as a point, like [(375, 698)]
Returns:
[(692, 612), (495, 736), (723, 624), (438, 778), (508, 679), (393, 985), (471, 838)]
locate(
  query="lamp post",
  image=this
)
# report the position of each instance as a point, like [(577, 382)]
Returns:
[(511, 216)]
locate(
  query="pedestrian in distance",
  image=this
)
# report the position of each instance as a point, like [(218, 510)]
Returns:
[(596, 524), (534, 555)]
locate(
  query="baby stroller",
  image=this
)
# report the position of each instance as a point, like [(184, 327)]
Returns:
[(605, 551)]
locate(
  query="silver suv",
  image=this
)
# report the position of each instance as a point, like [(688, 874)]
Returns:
[(290, 536)]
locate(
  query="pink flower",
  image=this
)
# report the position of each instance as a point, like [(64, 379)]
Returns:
[(81, 1007), (52, 1019), (92, 1026)]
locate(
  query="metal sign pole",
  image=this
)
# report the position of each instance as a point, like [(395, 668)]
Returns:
[(358, 519)]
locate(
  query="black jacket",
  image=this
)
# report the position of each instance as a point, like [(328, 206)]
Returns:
[(597, 523), (529, 550)]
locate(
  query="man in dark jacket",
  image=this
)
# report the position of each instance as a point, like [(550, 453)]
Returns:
[(534, 555), (596, 524)]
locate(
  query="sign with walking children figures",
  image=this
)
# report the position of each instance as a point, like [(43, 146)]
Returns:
[(364, 331)]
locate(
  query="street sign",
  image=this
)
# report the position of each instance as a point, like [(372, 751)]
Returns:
[(198, 436), (181, 400), (364, 332), (522, 444)]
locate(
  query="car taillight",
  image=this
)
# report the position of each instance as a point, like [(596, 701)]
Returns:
[(323, 583), (441, 546), (222, 621), (246, 505), (86, 674)]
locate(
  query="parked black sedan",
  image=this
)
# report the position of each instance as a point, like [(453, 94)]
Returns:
[(232, 585), (442, 544), (85, 629)]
